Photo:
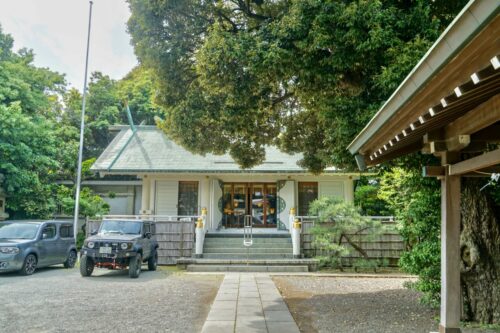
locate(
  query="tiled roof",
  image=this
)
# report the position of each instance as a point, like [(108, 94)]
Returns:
[(149, 150)]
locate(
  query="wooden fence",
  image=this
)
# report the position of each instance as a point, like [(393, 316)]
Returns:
[(387, 246), (175, 235)]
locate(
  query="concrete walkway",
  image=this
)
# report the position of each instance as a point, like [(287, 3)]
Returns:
[(249, 303)]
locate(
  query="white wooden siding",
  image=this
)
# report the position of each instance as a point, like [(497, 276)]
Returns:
[(166, 197), (331, 189)]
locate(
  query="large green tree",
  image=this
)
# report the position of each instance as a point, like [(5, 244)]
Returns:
[(304, 75), (29, 149), (38, 134), (107, 99)]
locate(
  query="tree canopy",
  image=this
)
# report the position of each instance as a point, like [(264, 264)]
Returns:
[(235, 76), (39, 132)]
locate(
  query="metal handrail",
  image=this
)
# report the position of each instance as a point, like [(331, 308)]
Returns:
[(247, 234), (247, 231)]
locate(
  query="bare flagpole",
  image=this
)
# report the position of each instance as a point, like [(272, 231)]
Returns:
[(82, 127)]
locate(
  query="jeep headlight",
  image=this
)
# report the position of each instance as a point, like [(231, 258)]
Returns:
[(90, 244), (9, 250), (124, 246)]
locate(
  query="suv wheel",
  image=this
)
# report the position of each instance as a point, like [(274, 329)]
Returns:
[(86, 266), (29, 265), (134, 268), (152, 261), (70, 260)]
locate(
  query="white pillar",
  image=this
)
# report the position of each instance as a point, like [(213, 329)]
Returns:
[(205, 199), (291, 219), (450, 255), (349, 190), (146, 188), (200, 237), (296, 227)]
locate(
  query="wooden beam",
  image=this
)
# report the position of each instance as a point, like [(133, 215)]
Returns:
[(450, 254), (489, 134), (433, 171), (436, 135), (457, 143), (476, 163), (438, 146), (484, 115)]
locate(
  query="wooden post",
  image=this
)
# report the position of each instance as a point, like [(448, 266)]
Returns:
[(450, 254)]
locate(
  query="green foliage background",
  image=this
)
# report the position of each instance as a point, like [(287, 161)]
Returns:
[(39, 131), (416, 202), (304, 75)]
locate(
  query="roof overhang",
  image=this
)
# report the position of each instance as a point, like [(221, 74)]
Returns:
[(460, 72)]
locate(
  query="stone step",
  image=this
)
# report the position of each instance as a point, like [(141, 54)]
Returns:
[(255, 240), (250, 256), (253, 246), (228, 235), (312, 264), (244, 250), (246, 268)]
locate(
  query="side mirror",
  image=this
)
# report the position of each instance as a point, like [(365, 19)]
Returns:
[(147, 235), (93, 232), (45, 235)]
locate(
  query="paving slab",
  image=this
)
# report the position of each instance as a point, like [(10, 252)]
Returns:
[(249, 303), (218, 327)]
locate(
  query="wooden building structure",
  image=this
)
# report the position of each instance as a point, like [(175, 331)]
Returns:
[(449, 106)]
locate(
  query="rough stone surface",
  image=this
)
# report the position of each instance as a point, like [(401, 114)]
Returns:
[(59, 300)]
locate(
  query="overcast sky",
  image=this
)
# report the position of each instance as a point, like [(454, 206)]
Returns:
[(57, 32)]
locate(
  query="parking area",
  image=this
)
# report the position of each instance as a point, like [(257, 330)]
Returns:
[(55, 299)]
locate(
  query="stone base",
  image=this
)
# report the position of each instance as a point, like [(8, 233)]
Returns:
[(443, 329)]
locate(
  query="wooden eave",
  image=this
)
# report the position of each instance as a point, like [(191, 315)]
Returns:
[(470, 79)]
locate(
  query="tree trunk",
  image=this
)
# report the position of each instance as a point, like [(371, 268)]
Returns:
[(480, 253)]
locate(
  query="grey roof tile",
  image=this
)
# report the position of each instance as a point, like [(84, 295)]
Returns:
[(149, 150)]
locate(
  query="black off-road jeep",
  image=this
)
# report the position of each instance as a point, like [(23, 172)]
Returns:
[(119, 244)]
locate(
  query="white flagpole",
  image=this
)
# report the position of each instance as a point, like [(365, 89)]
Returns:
[(82, 126)]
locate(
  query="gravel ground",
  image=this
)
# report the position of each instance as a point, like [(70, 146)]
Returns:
[(336, 304), (58, 300)]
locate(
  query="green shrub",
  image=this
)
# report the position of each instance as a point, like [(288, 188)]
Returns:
[(337, 225), (416, 204)]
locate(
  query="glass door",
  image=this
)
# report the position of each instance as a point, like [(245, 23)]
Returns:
[(234, 199), (271, 205), (258, 205), (255, 199)]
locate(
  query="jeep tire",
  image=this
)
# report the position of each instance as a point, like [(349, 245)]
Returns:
[(153, 261), (86, 266), (134, 268)]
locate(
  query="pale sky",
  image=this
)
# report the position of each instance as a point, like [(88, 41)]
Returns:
[(57, 32)]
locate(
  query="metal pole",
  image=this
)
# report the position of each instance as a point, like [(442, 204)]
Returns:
[(82, 126)]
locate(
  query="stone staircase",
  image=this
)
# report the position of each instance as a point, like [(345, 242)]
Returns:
[(270, 252)]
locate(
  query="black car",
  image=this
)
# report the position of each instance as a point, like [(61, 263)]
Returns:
[(119, 244)]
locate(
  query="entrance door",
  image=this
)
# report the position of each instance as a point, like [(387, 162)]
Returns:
[(255, 199)]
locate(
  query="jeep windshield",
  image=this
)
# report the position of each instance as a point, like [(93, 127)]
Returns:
[(18, 230), (120, 227)]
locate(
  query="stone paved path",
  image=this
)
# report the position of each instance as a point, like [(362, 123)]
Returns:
[(249, 303)]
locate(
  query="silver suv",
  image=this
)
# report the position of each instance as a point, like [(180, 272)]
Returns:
[(27, 245)]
